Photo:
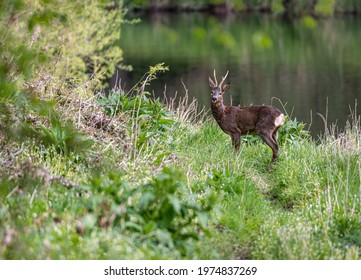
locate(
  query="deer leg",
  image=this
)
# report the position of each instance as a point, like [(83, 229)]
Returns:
[(236, 140), (268, 138), (274, 134)]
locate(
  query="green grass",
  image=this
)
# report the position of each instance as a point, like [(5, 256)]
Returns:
[(222, 204), (177, 190), (306, 208)]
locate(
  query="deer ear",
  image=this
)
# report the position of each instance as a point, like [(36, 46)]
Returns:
[(211, 83), (225, 87)]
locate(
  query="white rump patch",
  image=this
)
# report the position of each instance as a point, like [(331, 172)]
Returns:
[(280, 120)]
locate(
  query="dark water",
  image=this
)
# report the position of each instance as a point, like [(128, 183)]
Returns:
[(312, 67)]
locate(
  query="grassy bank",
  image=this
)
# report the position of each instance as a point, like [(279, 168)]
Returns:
[(86, 175), (177, 190)]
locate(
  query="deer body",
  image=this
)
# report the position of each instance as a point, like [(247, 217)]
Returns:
[(237, 121)]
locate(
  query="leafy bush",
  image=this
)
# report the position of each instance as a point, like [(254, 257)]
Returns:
[(88, 53), (40, 62), (292, 131)]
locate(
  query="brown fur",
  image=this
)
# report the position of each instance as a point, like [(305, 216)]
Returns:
[(237, 121)]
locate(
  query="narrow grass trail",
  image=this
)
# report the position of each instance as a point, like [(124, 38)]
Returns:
[(305, 208)]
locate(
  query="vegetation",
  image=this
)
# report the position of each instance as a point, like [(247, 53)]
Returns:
[(122, 176)]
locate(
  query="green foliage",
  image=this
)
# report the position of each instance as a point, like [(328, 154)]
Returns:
[(38, 66), (309, 22), (277, 6), (65, 138), (239, 194), (306, 208), (262, 40), (38, 144), (325, 7), (17, 56), (88, 53), (292, 131), (16, 65), (160, 213), (319, 193), (150, 121)]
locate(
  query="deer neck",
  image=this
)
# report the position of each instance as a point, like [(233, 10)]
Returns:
[(218, 110)]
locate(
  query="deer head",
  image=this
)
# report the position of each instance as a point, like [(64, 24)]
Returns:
[(218, 89)]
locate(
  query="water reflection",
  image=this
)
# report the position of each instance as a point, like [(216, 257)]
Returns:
[(309, 68)]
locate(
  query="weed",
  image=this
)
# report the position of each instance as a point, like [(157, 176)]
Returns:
[(64, 137)]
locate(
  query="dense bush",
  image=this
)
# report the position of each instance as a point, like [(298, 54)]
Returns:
[(47, 62)]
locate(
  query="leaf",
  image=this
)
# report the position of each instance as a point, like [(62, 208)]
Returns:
[(165, 121), (145, 200), (176, 204), (164, 237), (44, 18), (203, 218), (133, 226), (149, 227)]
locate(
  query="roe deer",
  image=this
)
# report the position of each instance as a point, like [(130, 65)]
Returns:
[(236, 121)]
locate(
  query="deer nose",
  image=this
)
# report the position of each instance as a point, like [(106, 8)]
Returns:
[(214, 99)]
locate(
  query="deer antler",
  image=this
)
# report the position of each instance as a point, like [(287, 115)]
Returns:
[(215, 78), (223, 79)]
